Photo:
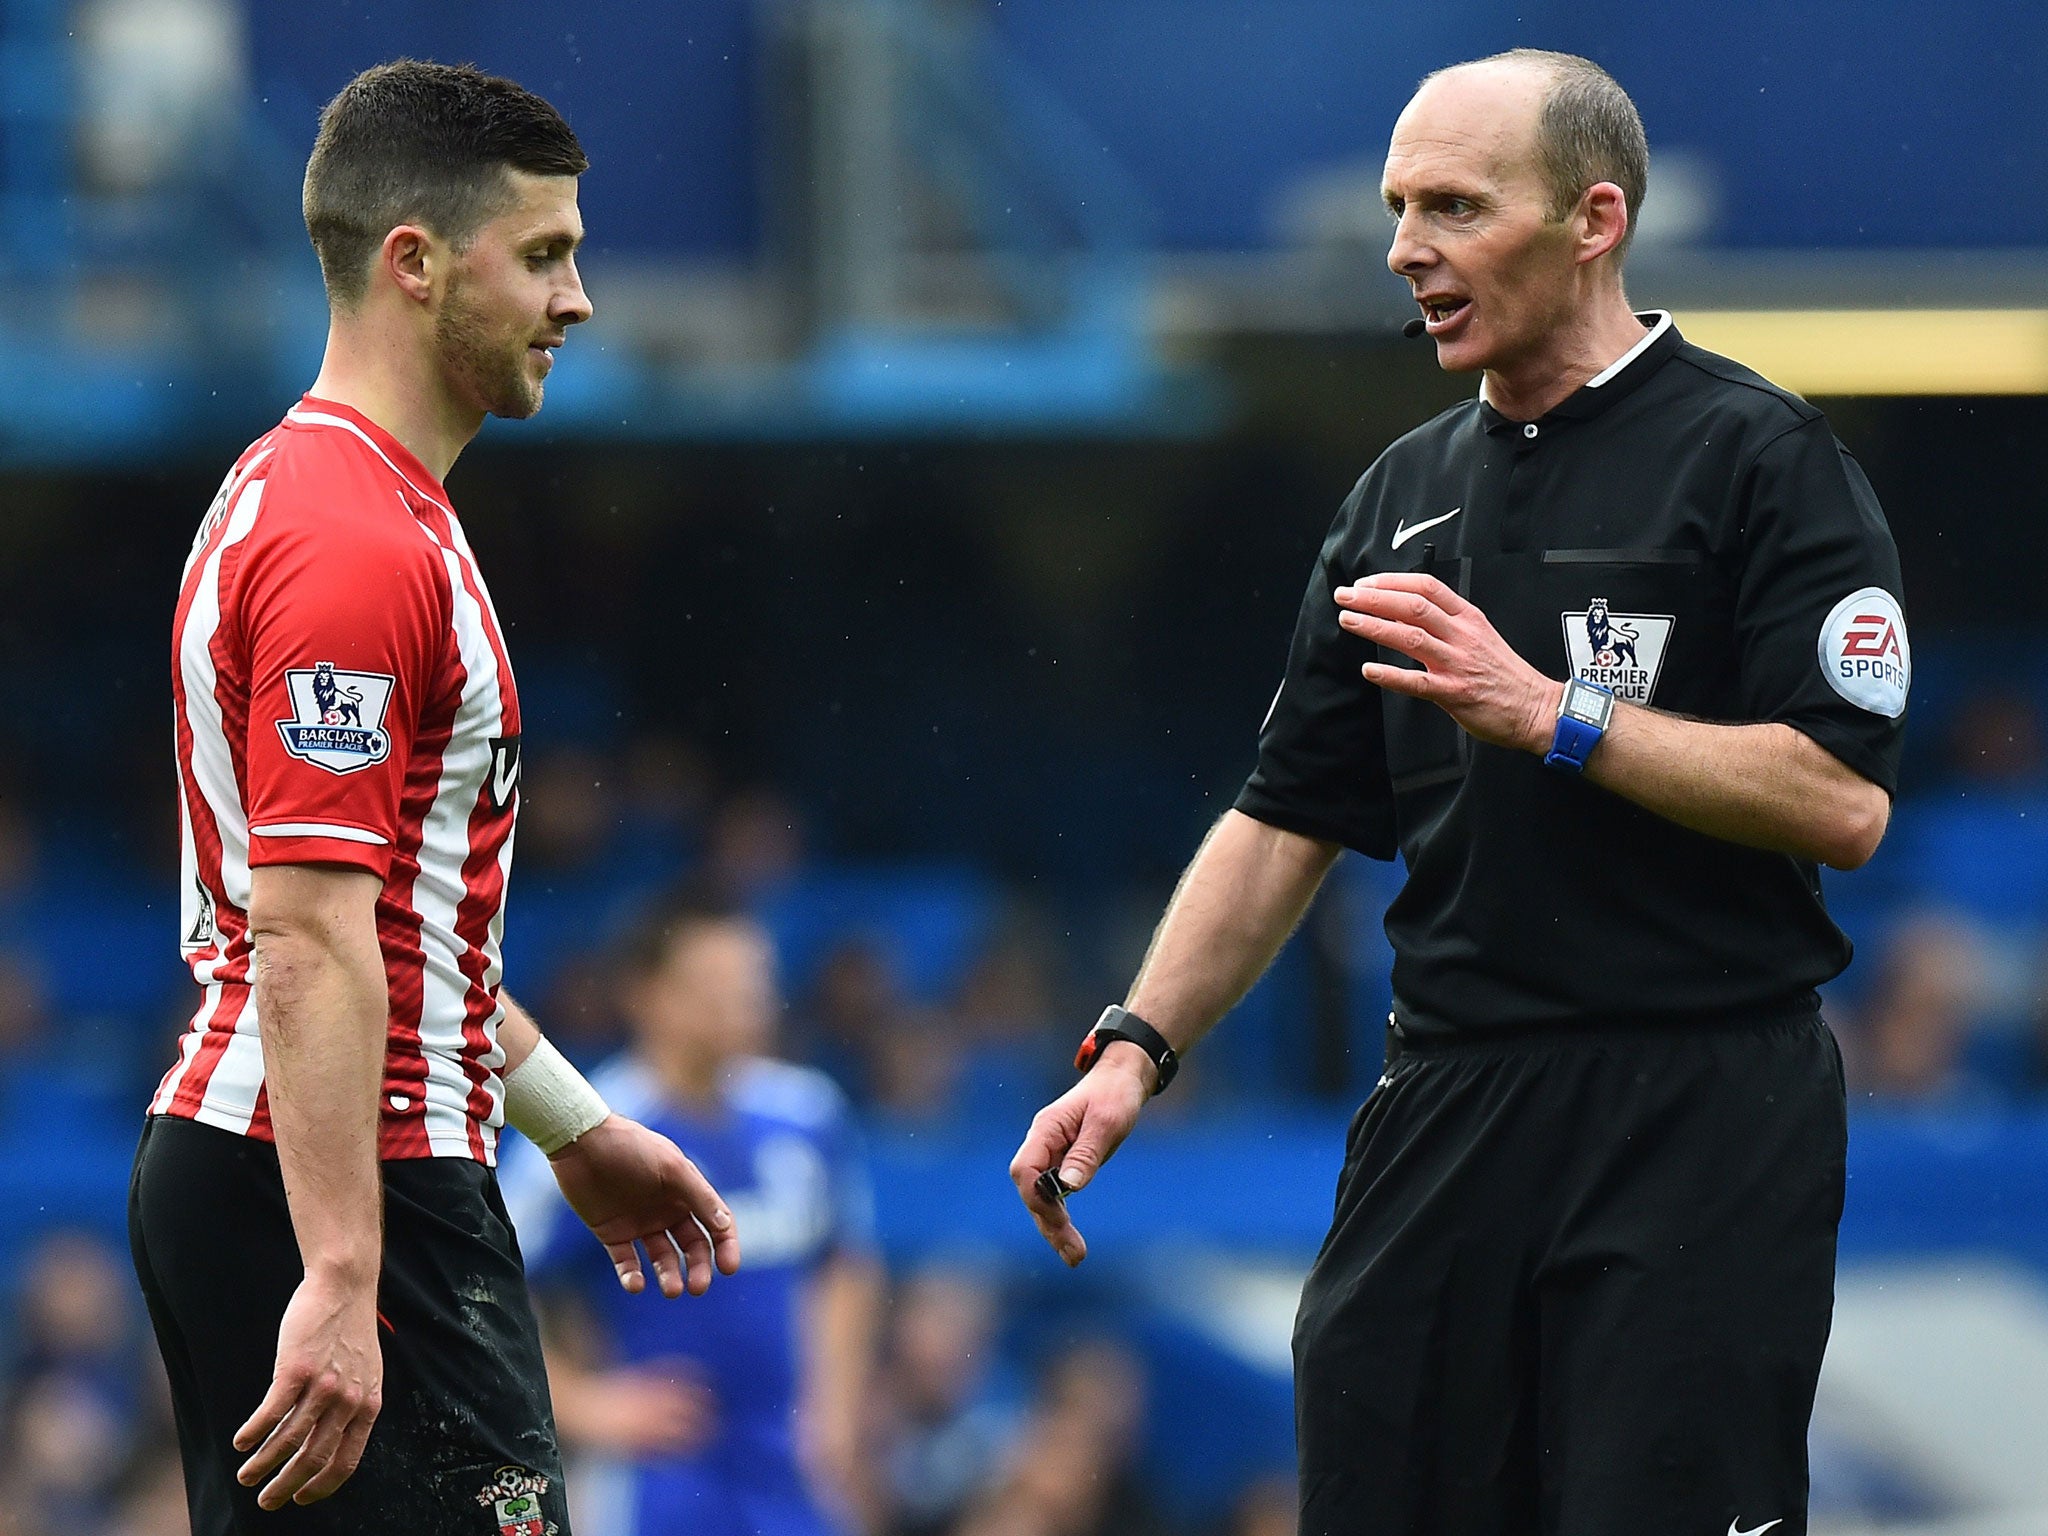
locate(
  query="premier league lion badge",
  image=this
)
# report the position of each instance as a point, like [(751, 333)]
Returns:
[(337, 719), (514, 1497), (1620, 651)]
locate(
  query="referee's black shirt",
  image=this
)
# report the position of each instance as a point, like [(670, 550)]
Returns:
[(1681, 530)]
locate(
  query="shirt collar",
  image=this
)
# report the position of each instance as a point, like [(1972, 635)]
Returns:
[(401, 458), (1619, 378)]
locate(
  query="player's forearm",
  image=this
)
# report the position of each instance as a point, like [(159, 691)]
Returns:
[(844, 1326), (320, 997), (1237, 902), (517, 1035), (1764, 785), (846, 1311)]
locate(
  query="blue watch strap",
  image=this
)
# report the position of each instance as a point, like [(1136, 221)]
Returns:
[(1572, 745)]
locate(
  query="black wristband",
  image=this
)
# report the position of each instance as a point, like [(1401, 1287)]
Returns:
[(1118, 1023)]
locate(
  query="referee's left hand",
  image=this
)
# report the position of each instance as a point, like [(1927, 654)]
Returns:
[(634, 1188), (1468, 670)]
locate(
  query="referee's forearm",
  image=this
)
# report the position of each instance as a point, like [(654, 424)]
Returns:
[(1763, 785), (322, 1009), (1240, 897)]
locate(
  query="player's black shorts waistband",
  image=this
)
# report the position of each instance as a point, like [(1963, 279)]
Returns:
[(1790, 1013)]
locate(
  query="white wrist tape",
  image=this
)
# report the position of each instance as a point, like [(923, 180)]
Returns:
[(549, 1102)]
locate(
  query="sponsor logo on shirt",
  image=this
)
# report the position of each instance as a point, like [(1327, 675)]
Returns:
[(1623, 652), (514, 1498), (1864, 652), (337, 718), (504, 771)]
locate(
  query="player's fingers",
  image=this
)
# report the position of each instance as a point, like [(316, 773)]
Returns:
[(348, 1455), (705, 1203), (667, 1260), (626, 1261), (1415, 581), (695, 1248), (279, 1445), (320, 1432), (725, 1251), (270, 1413), (311, 1458)]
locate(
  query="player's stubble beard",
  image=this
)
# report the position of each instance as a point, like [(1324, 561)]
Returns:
[(478, 362)]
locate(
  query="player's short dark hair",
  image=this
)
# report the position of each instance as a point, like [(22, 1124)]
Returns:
[(412, 142), (1589, 131), (683, 909)]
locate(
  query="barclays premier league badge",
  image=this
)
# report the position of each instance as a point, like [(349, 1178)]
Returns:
[(1622, 652), (337, 719), (514, 1497)]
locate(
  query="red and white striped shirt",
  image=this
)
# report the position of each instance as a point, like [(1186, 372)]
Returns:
[(343, 697)]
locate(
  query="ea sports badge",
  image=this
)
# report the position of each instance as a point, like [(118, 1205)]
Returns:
[(1864, 652)]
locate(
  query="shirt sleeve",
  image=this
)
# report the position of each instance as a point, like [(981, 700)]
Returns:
[(1322, 766), (340, 623), (1819, 620)]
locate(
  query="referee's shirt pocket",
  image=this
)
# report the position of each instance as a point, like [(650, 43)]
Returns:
[(1653, 625)]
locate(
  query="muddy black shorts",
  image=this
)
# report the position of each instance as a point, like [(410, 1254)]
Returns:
[(466, 1432), (1577, 1285)]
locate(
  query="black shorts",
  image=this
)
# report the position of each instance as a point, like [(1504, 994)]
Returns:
[(466, 1420), (1576, 1286)]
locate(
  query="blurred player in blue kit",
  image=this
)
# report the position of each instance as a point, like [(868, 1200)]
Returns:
[(740, 1415)]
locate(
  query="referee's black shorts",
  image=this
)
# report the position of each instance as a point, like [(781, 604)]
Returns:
[(1577, 1286), (466, 1422)]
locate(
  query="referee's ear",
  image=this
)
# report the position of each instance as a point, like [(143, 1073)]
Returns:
[(1601, 222)]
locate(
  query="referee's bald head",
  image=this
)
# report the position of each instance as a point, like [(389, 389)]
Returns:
[(1587, 130)]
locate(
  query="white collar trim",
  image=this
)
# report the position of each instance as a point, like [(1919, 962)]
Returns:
[(1663, 324)]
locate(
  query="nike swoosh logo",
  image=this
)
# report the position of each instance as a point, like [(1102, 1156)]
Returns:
[(1759, 1531), (1402, 534)]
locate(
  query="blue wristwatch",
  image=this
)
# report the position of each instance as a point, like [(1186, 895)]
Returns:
[(1582, 716)]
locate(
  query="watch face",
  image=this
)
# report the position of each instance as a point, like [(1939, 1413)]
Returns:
[(1587, 705)]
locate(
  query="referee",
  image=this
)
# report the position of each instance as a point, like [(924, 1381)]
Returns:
[(1613, 657)]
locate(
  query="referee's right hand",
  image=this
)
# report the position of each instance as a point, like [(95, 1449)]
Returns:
[(324, 1394), (1076, 1134)]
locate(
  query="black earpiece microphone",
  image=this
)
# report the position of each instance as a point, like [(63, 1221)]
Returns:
[(1415, 327)]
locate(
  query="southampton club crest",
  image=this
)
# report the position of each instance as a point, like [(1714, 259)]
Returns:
[(514, 1497), (1621, 651), (337, 718)]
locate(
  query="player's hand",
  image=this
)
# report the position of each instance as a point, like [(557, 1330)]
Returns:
[(633, 1186), (325, 1391), (646, 1411), (1474, 675), (1076, 1134)]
